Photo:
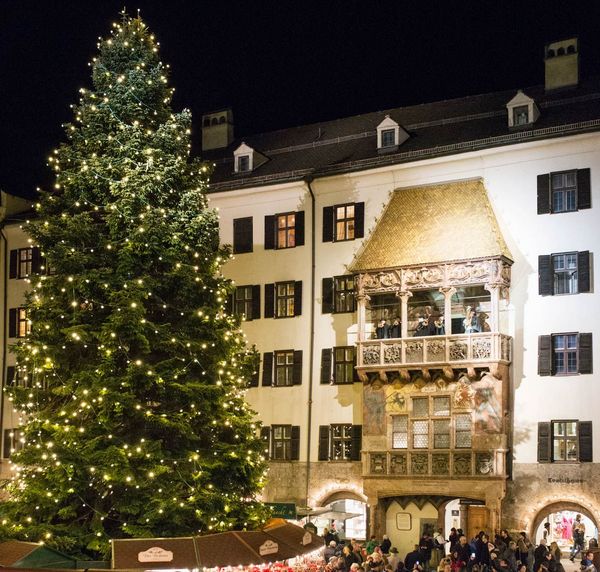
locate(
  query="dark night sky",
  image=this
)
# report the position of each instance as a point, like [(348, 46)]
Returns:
[(277, 63)]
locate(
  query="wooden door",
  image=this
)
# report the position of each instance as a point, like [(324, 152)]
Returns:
[(477, 519)]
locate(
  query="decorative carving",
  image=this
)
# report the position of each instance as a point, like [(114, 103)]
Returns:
[(419, 463), (440, 464), (380, 281), (392, 353), (426, 276), (482, 348), (378, 463), (484, 464), (398, 464), (436, 350), (505, 348), (464, 393), (371, 355), (458, 350), (462, 464), (414, 351)]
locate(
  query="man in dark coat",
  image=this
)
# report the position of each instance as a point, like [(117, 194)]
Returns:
[(413, 557), (539, 554)]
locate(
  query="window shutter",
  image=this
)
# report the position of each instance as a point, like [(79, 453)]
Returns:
[(295, 443), (544, 441), (265, 435), (36, 260), (356, 442), (14, 260), (355, 376), (10, 375), (359, 220), (298, 298), (585, 442), (327, 224), (230, 307), (267, 377), (254, 375), (299, 229), (584, 195), (255, 302), (269, 232), (12, 323), (242, 235), (327, 303), (545, 275), (326, 359), (543, 194), (269, 300), (583, 271), (297, 372), (585, 353), (544, 355), (323, 443)]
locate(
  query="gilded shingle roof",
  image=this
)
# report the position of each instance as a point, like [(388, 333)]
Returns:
[(432, 224)]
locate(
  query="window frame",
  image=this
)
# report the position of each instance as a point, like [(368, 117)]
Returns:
[(246, 301), (289, 230), (287, 299), (343, 440), (345, 363), (349, 222), (23, 323), (27, 262), (287, 366), (564, 190), (286, 440), (518, 112), (565, 352), (243, 163), (386, 132), (565, 461), (341, 296), (574, 274)]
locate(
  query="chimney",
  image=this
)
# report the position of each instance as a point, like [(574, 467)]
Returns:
[(217, 129), (561, 60)]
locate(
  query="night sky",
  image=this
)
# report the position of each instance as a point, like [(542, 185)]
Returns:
[(276, 63)]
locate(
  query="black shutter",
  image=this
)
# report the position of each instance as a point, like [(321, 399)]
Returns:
[(253, 382), (543, 194), (10, 375), (327, 303), (585, 442), (299, 228), (14, 260), (356, 442), (584, 195), (545, 275), (327, 224), (267, 376), (255, 302), (269, 300), (323, 443), (583, 271), (295, 443), (269, 232), (326, 359), (359, 220), (297, 372), (298, 298), (544, 442), (265, 435), (544, 355), (230, 307), (355, 376), (36, 260), (585, 353), (242, 235), (12, 323)]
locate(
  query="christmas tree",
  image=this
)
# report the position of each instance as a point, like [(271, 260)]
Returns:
[(133, 420)]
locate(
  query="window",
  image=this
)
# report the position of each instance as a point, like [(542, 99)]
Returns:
[(286, 230), (388, 137), (462, 431), (441, 434), (343, 364), (400, 431), (344, 222), (564, 273), (565, 441), (565, 354), (247, 302), (521, 115), (13, 442), (284, 299), (284, 368), (420, 433), (340, 442), (338, 295), (564, 191), (242, 235), (17, 376), (243, 163), (24, 262), (282, 442), (19, 324)]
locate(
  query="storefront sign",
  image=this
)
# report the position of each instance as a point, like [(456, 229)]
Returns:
[(155, 554), (285, 510), (565, 481), (268, 547)]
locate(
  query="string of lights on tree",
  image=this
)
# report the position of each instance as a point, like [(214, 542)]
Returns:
[(132, 418)]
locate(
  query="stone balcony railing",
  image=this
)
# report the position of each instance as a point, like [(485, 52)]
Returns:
[(455, 349), (456, 463)]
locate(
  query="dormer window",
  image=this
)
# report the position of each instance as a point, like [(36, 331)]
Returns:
[(388, 138), (521, 115), (246, 159), (243, 163), (390, 135), (522, 110)]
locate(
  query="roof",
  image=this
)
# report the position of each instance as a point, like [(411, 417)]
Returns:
[(436, 129), (21, 554), (12, 551), (431, 224)]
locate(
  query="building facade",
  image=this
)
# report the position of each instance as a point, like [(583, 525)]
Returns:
[(419, 283)]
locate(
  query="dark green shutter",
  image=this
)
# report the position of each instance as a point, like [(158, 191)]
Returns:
[(269, 232), (585, 353), (295, 443), (267, 376), (323, 443), (299, 228), (544, 442), (545, 275), (269, 300), (583, 271), (327, 296), (10, 375), (255, 302), (12, 323), (584, 195), (297, 371), (230, 304), (544, 355), (356, 442), (327, 224), (543, 194), (14, 261), (326, 359), (36, 260), (242, 235), (298, 298), (585, 442), (359, 220), (355, 377), (265, 435)]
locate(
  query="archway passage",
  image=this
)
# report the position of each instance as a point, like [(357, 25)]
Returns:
[(559, 517)]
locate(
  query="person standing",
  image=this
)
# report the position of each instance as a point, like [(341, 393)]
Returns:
[(578, 533), (539, 554), (523, 546)]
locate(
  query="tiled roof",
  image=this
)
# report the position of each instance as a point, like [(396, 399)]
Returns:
[(439, 128), (434, 223)]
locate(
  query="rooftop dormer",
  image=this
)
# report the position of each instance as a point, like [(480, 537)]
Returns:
[(522, 110), (390, 135), (246, 159), (561, 62)]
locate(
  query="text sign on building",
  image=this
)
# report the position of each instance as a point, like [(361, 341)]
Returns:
[(155, 554), (268, 547)]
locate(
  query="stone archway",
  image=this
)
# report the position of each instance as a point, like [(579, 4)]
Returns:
[(557, 507)]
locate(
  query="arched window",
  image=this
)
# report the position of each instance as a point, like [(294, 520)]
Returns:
[(222, 119), (206, 122), (551, 53), (560, 52), (214, 121), (571, 49)]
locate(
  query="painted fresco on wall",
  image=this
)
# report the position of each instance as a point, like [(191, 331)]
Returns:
[(374, 411), (487, 409)]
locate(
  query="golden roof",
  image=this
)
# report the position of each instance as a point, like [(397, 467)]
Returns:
[(433, 224)]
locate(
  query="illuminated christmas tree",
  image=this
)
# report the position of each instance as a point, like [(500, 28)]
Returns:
[(133, 416)]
